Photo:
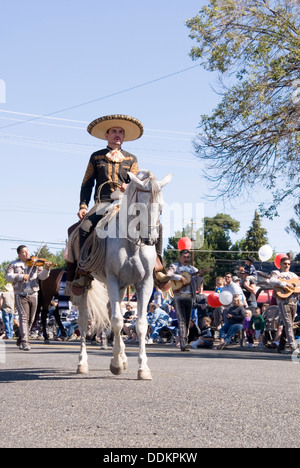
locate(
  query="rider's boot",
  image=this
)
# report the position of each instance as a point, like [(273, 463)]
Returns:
[(82, 282)]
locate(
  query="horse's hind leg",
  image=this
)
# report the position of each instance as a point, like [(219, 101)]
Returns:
[(83, 367)]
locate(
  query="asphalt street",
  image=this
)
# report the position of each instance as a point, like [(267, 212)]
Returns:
[(229, 398)]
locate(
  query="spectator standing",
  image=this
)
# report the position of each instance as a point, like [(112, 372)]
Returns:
[(247, 328), (7, 306), (257, 322)]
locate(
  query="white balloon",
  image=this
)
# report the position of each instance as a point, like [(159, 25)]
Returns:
[(265, 253), (225, 298)]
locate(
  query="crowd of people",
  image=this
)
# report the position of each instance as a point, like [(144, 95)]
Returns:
[(186, 319)]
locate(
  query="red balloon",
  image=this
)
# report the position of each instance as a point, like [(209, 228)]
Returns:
[(278, 259), (213, 300), (184, 243)]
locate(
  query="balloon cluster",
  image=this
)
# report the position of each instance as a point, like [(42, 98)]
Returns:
[(216, 300)]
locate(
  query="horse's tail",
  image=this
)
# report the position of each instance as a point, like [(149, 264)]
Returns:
[(96, 304)]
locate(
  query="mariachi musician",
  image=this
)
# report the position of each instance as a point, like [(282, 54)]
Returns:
[(25, 275), (288, 305), (184, 297)]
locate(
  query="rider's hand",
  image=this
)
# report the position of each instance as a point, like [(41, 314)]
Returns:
[(82, 213)]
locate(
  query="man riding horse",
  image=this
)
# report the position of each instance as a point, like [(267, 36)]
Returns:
[(108, 171)]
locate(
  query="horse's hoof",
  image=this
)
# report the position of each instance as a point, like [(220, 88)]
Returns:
[(116, 370), (144, 375), (125, 365), (82, 369)]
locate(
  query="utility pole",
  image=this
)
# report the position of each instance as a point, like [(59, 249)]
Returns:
[(193, 241)]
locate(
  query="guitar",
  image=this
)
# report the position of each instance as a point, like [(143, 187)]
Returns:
[(294, 286), (177, 285)]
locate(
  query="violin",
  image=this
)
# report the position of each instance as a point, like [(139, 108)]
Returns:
[(39, 262)]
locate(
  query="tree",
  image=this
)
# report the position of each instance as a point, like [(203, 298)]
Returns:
[(294, 226), (256, 236), (3, 268), (252, 138)]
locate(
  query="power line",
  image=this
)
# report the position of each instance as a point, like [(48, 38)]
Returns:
[(104, 97), (39, 116), (32, 242)]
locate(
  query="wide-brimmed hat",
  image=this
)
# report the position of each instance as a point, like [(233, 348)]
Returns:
[(133, 128), (8, 287)]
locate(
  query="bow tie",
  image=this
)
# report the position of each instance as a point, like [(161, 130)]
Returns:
[(115, 156)]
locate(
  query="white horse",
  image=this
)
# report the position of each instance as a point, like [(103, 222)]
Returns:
[(129, 260)]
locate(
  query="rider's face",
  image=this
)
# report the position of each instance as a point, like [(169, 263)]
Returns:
[(115, 137)]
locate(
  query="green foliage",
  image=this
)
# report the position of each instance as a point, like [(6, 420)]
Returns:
[(57, 258), (3, 268), (256, 236), (252, 137), (294, 225)]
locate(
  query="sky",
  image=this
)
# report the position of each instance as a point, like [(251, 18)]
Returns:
[(65, 63)]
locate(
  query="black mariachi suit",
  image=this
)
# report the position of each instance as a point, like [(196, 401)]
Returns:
[(101, 170)]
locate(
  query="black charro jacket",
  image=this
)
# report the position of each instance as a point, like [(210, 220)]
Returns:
[(100, 170)]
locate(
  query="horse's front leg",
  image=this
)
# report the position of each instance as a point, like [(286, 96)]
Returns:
[(119, 361), (83, 367), (144, 372)]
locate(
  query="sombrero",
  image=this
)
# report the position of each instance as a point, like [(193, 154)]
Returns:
[(133, 128)]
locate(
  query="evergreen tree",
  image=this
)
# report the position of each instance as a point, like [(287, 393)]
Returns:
[(256, 236), (294, 225)]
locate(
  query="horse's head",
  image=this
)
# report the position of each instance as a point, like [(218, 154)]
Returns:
[(145, 208)]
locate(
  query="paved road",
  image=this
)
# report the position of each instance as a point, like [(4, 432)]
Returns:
[(226, 398)]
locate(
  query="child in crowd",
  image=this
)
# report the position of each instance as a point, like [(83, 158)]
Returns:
[(249, 267), (206, 339), (258, 323), (249, 332), (220, 283)]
